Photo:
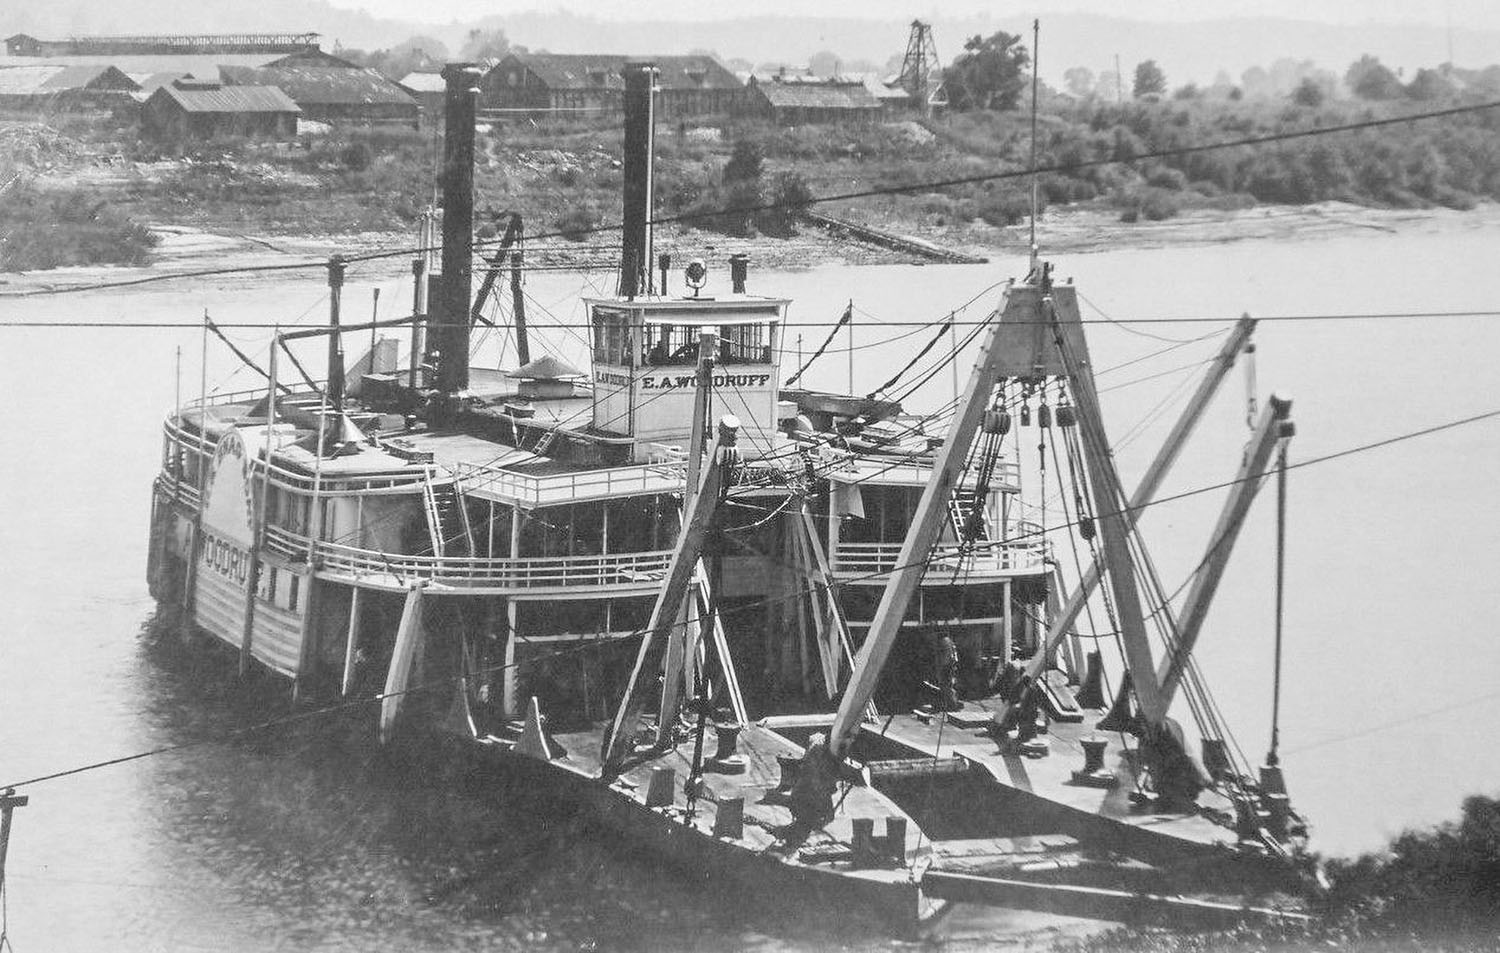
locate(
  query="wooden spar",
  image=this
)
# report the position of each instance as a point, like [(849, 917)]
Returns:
[(403, 654), (366, 326), (664, 614), (492, 273), (930, 517), (1061, 307), (1145, 492), (1273, 428)]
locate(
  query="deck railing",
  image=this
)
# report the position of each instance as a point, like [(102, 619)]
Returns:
[(905, 470), (531, 490), (619, 569), (984, 559)]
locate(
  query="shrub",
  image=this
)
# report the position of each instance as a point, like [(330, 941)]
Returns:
[(789, 196), (41, 230), (575, 223), (1006, 208), (356, 157)]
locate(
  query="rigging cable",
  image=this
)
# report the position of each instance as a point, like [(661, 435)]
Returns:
[(1271, 756)]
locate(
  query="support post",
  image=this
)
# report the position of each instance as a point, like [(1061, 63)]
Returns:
[(707, 341), (419, 312), (403, 656), (351, 641)]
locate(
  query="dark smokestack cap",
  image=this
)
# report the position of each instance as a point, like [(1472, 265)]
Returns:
[(739, 269)]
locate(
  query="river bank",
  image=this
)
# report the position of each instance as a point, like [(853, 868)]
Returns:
[(184, 251)]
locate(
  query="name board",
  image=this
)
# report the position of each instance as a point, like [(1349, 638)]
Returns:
[(658, 381)]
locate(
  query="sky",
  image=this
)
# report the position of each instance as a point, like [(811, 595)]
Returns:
[(1483, 14)]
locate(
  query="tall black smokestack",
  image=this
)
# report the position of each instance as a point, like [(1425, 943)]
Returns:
[(450, 320), (640, 129)]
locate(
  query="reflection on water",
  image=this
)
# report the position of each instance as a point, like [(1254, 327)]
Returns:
[(303, 838)]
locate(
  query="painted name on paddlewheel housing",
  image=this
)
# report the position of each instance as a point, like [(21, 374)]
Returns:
[(225, 535)]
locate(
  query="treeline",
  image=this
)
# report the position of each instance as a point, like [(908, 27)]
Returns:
[(1431, 890)]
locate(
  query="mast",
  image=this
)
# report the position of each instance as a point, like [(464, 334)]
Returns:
[(639, 168), (450, 325)]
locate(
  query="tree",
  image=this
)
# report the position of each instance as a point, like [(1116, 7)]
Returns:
[(1430, 84), (1149, 80), (989, 74), (485, 45), (1079, 80), (1308, 93), (1108, 85), (746, 162), (824, 63), (1368, 78)]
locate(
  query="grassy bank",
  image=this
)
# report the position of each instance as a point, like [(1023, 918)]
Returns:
[(565, 176), (1430, 890), (44, 229)]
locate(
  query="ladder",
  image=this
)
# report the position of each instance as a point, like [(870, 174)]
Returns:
[(961, 506), (447, 519)]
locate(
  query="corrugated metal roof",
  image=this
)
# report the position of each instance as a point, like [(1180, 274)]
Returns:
[(602, 70), (207, 98), (321, 85), (818, 95)]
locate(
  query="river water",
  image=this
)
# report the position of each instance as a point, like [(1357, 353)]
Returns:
[(301, 840)]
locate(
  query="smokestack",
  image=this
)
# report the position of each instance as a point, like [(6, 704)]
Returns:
[(739, 268), (640, 128), (450, 323)]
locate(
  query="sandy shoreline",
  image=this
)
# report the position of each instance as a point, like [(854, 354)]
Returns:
[(186, 252)]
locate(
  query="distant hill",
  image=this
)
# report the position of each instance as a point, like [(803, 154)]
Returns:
[(1189, 52)]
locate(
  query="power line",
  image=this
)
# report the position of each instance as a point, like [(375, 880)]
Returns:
[(351, 703), (931, 185), (1194, 319)]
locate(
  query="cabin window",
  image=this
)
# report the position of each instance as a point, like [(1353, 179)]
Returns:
[(744, 344), (670, 345), (611, 337)]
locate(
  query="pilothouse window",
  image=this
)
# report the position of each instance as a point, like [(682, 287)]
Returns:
[(611, 337), (744, 344)]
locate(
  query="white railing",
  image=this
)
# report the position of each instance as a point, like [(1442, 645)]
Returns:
[(342, 483), (984, 559), (905, 470), (548, 572), (533, 490)]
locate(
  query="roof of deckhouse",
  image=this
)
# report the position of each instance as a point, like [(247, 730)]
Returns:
[(579, 70)]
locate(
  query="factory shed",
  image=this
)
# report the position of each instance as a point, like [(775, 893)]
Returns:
[(188, 110), (584, 84), (795, 101)]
